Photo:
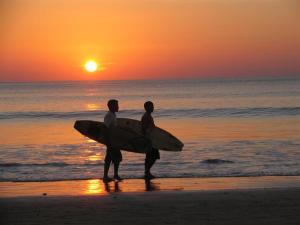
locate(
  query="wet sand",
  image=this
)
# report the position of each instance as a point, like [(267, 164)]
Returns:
[(266, 200)]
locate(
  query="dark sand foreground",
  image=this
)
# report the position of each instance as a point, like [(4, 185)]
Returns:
[(269, 205)]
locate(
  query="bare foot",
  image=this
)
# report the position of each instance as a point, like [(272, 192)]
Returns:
[(107, 179), (149, 176), (118, 178)]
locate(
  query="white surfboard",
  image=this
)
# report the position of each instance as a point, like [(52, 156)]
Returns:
[(161, 139)]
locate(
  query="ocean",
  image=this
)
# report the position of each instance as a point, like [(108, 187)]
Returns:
[(230, 127)]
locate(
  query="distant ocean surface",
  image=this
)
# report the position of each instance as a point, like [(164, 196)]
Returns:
[(230, 127)]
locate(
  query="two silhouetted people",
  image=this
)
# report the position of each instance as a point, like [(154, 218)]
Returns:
[(113, 154)]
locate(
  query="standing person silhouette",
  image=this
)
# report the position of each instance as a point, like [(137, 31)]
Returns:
[(147, 127), (113, 155)]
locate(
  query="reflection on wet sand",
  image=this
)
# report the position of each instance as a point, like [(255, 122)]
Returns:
[(94, 187), (97, 187), (112, 186), (180, 184), (150, 186), (116, 186)]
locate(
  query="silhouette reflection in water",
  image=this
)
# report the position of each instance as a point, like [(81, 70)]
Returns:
[(108, 187), (150, 186), (135, 185)]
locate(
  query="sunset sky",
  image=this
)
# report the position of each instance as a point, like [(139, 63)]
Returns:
[(43, 40)]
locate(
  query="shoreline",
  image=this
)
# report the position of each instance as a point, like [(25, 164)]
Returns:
[(95, 187), (244, 207), (138, 178), (176, 201)]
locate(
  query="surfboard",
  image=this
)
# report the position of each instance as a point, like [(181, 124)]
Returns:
[(160, 138), (121, 138)]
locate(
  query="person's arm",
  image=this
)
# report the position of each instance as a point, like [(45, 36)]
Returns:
[(147, 124), (108, 124), (107, 137), (144, 125)]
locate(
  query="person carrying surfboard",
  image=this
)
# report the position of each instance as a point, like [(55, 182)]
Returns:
[(147, 127), (113, 155)]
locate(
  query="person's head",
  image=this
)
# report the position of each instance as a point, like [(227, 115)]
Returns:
[(149, 106), (113, 105)]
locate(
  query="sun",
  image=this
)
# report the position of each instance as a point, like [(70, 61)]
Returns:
[(91, 66)]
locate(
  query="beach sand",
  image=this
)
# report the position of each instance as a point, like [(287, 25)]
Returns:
[(266, 200)]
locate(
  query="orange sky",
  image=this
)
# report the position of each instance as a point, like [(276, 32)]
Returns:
[(141, 39)]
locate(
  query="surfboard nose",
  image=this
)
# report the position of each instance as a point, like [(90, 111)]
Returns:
[(81, 126), (90, 128), (77, 125)]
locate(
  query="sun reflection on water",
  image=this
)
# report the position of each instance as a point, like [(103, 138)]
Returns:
[(96, 157), (94, 187), (92, 106)]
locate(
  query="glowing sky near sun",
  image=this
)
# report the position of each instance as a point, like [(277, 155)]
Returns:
[(141, 39)]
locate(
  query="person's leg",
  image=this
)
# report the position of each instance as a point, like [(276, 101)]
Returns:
[(149, 162), (117, 158), (106, 168), (107, 162), (151, 158), (116, 170), (148, 157), (148, 165)]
